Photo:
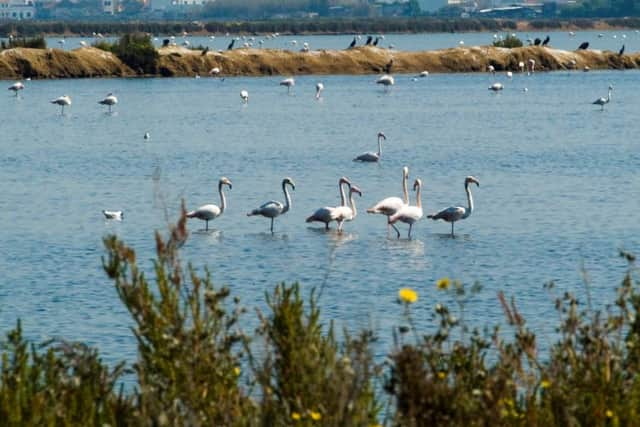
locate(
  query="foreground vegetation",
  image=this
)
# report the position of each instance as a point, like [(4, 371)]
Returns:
[(196, 366)]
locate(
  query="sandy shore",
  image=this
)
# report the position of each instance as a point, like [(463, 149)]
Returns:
[(182, 62)]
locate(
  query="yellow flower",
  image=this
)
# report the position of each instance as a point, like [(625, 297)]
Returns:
[(545, 384), (443, 283), (295, 416), (407, 295), (236, 371), (442, 375), (609, 413), (315, 416)]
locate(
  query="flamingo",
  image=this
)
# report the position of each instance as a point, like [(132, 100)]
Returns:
[(521, 66), (16, 87), (386, 80), (244, 95), (289, 83), (424, 73), (273, 209), (110, 100), (491, 69), (369, 156), (456, 213), (210, 212), (328, 214), (409, 214), (603, 101), (391, 205), (496, 87), (319, 89), (215, 71), (348, 213), (532, 65), (115, 215), (62, 101)]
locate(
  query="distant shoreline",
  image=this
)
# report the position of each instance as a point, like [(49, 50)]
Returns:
[(321, 26), (177, 61)]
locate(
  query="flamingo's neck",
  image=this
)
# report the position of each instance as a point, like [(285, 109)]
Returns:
[(379, 145), (405, 191), (469, 200), (343, 197), (418, 196), (287, 198), (223, 200), (352, 202), (609, 96)]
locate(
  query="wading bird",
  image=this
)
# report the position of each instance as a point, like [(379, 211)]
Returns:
[(319, 89), (348, 213), (244, 95), (603, 101), (209, 212), (273, 209), (115, 215), (328, 214), (391, 205), (62, 101), (456, 213), (110, 100), (370, 156), (16, 87), (289, 83), (409, 214), (386, 81), (496, 87)]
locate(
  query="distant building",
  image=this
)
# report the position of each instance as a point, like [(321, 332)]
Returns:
[(17, 10), (431, 5), (110, 7)]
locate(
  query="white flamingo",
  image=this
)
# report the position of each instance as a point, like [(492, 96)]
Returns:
[(209, 212), (370, 156), (496, 87), (110, 100), (456, 213), (386, 80), (521, 66), (273, 209), (328, 214), (16, 87), (244, 95), (604, 101), (289, 83), (319, 89), (391, 205), (491, 69), (348, 213), (115, 215), (532, 65), (62, 101), (409, 214)]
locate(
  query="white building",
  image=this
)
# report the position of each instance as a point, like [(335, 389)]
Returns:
[(17, 10)]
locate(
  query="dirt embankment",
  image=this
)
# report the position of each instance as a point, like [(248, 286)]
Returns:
[(181, 62)]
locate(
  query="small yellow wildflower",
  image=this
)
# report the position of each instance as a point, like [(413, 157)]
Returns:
[(609, 413), (545, 384), (443, 283), (315, 416), (442, 375), (236, 371), (295, 416), (407, 295)]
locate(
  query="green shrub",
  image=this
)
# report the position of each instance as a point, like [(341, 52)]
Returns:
[(37, 42), (509, 41), (137, 51)]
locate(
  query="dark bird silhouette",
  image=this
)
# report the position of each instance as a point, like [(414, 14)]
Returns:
[(621, 50), (546, 41), (537, 42), (205, 50), (165, 42), (375, 43), (584, 46), (369, 40), (233, 41), (387, 68), (353, 43)]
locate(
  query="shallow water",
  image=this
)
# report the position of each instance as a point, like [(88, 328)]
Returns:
[(602, 40), (560, 188)]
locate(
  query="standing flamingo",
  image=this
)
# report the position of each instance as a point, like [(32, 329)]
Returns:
[(16, 87), (319, 89), (244, 95), (62, 101), (110, 100), (603, 101), (456, 213), (386, 80), (369, 156), (348, 213), (273, 209), (391, 205), (328, 213), (289, 83), (409, 214), (210, 212)]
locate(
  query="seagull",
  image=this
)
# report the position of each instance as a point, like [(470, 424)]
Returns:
[(289, 83), (603, 101), (244, 95), (496, 87), (115, 215), (110, 100), (319, 89), (16, 87), (62, 101)]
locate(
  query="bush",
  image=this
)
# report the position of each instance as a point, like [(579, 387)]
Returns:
[(509, 41), (34, 43), (135, 50)]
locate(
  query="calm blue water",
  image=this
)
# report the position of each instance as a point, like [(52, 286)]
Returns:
[(609, 40), (560, 187)]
